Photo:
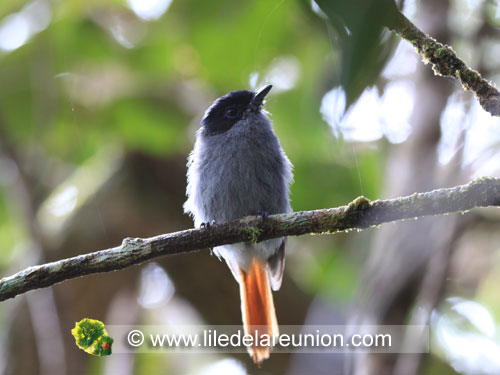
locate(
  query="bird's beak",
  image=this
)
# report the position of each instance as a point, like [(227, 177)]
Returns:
[(258, 99)]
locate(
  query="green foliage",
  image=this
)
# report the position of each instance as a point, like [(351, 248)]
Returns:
[(91, 336), (74, 91), (366, 44), (331, 273), (145, 124)]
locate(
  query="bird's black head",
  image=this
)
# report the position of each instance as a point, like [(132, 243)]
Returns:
[(230, 108)]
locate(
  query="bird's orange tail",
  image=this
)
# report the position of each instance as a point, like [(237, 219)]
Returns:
[(257, 307)]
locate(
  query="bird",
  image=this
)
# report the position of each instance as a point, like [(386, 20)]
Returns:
[(238, 168)]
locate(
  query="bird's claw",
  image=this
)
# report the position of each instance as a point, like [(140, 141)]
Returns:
[(263, 215), (208, 224)]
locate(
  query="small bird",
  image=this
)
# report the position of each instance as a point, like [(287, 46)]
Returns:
[(238, 168)]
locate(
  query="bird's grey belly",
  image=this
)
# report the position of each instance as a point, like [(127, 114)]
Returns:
[(245, 193)]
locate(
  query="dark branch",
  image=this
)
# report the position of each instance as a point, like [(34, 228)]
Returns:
[(359, 214), (446, 63)]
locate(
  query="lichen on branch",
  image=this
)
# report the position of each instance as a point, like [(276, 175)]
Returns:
[(446, 63), (359, 214)]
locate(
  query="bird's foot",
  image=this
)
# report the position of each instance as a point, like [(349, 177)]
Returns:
[(208, 224), (263, 215)]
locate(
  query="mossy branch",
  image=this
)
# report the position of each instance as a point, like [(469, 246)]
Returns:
[(446, 63), (359, 214)]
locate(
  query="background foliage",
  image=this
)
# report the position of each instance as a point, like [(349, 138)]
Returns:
[(99, 102)]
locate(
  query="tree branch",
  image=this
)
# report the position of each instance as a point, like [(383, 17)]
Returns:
[(359, 214), (446, 63)]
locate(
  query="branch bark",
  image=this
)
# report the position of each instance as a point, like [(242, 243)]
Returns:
[(446, 63), (359, 214)]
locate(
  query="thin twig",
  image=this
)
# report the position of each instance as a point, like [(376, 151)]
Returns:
[(359, 214), (446, 63)]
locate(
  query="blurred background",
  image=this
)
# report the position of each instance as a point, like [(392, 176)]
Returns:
[(99, 103)]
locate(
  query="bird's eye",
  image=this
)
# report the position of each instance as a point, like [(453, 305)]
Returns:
[(231, 113)]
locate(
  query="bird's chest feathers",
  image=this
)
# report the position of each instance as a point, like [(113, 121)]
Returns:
[(235, 170), (234, 164)]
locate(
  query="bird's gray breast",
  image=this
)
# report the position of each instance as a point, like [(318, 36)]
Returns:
[(243, 172)]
